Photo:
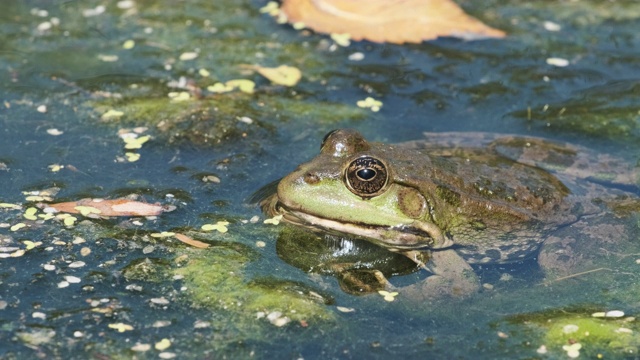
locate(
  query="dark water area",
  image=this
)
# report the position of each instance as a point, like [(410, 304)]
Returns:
[(78, 77)]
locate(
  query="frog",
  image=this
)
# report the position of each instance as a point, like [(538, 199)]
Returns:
[(359, 266), (451, 201)]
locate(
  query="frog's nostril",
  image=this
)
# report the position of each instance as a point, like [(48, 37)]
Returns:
[(311, 179)]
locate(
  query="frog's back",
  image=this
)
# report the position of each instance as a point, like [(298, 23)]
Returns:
[(500, 201)]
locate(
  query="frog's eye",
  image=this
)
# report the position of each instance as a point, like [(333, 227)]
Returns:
[(366, 176)]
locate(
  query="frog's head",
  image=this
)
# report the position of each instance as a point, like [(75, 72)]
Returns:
[(352, 187)]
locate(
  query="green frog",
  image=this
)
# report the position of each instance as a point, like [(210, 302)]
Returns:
[(453, 199)]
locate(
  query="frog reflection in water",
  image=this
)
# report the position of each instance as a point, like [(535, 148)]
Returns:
[(459, 198)]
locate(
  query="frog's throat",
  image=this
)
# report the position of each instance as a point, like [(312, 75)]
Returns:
[(415, 235)]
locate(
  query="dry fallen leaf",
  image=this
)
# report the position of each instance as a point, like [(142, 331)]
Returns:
[(114, 207), (189, 241), (395, 21)]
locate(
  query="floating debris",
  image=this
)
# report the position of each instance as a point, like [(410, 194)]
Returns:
[(141, 347), (573, 350), (129, 44), (274, 220), (559, 62), (163, 234), (54, 132), (608, 314), (112, 114), (221, 226), (190, 55), (189, 241), (343, 40), (371, 103), (388, 296), (345, 309), (281, 75), (77, 264), (121, 327), (108, 208), (162, 344)]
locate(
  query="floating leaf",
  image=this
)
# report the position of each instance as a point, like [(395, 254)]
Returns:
[(271, 8), (162, 344), (129, 44), (190, 55), (115, 207), (132, 157), (17, 253), (371, 103), (55, 167), (343, 40), (388, 296), (69, 221), (221, 226), (179, 96), (274, 220), (112, 114), (10, 206), (246, 86), (281, 75), (87, 210), (18, 226), (387, 21), (30, 214), (121, 327), (163, 234), (135, 143), (219, 88), (187, 240), (30, 244)]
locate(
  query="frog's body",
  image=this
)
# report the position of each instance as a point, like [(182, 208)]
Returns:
[(493, 201)]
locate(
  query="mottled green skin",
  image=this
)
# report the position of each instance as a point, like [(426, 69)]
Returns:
[(495, 198)]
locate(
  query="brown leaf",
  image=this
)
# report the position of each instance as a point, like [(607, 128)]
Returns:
[(106, 208), (187, 240), (395, 21)]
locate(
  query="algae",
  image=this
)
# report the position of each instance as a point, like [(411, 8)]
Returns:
[(216, 280)]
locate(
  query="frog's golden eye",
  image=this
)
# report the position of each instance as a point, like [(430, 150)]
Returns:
[(366, 176)]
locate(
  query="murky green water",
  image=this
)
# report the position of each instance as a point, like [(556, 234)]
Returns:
[(63, 67)]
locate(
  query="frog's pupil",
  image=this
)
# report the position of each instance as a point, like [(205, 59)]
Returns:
[(366, 174)]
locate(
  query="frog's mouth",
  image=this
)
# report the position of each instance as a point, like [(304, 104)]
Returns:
[(413, 236)]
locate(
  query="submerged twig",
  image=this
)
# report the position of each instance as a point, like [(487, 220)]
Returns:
[(573, 275)]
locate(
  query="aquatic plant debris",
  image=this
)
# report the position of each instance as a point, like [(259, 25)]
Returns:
[(163, 234), (189, 241), (343, 40), (573, 350), (388, 296), (162, 344), (132, 143), (111, 114), (245, 86), (121, 327), (221, 226), (397, 22), (108, 208), (274, 220), (281, 75), (370, 103)]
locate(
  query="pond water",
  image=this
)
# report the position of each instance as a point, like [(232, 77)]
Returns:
[(77, 75)]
